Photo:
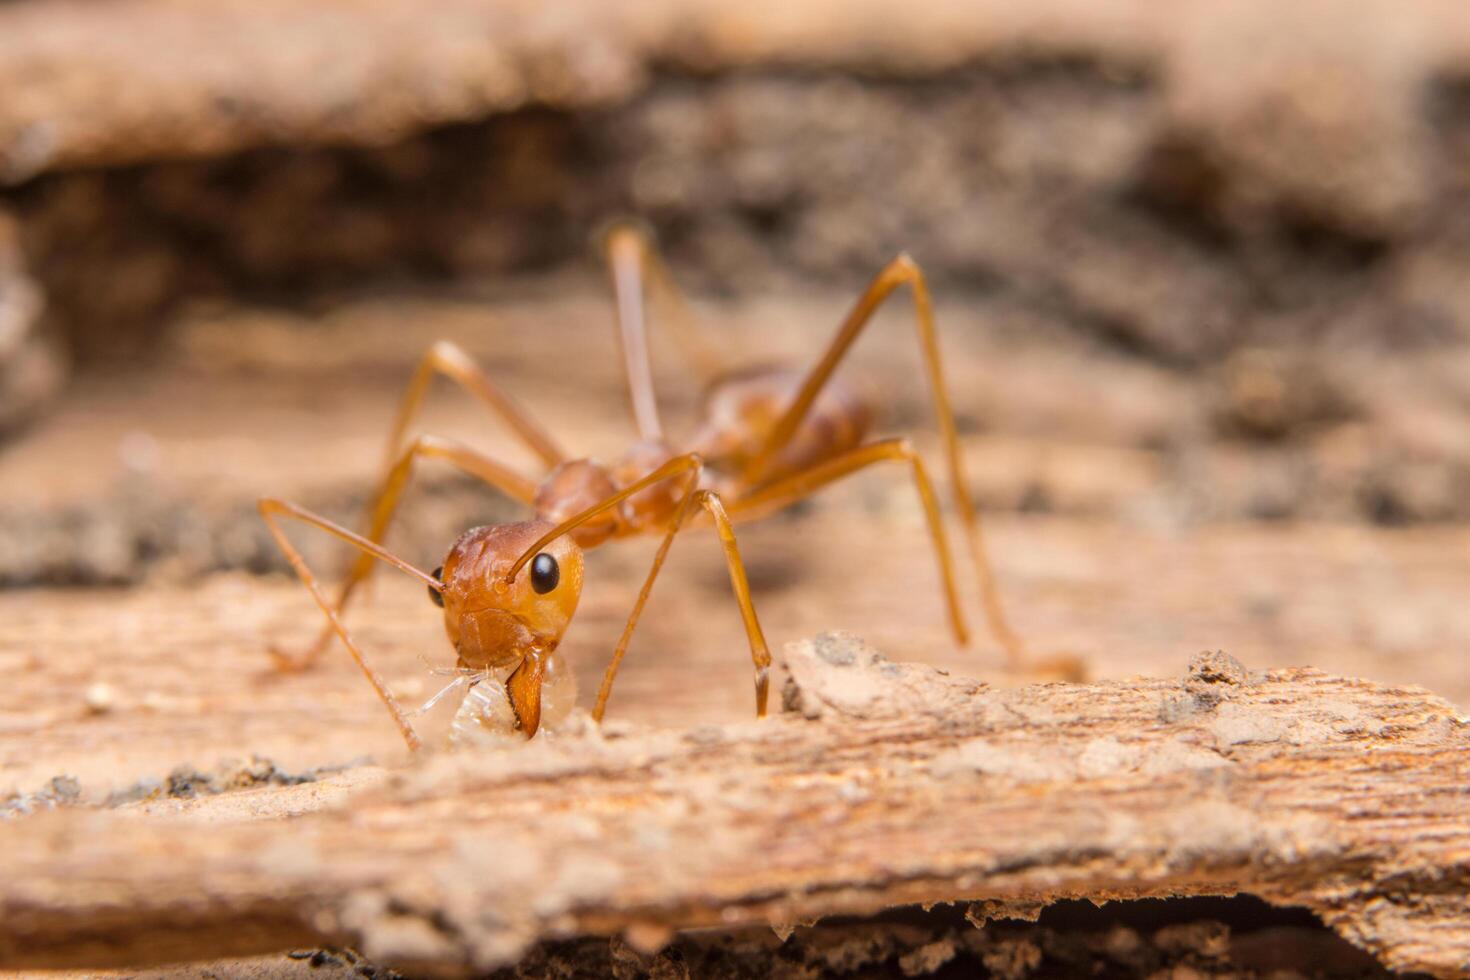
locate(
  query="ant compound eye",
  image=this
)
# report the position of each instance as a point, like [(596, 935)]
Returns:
[(544, 573), (434, 593)]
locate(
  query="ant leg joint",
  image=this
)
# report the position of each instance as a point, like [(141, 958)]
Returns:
[(445, 350)]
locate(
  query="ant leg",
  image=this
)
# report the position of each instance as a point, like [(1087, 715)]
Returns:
[(450, 360), (633, 261), (271, 508), (502, 478), (625, 255), (760, 654), (460, 683), (788, 490), (901, 270)]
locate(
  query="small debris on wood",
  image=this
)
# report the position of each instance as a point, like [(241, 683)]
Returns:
[(60, 791), (99, 698), (1211, 678), (838, 673), (1209, 671), (185, 782)]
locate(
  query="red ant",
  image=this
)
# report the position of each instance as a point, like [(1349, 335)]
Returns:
[(770, 438)]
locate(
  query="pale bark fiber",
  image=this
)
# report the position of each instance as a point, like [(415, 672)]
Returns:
[(881, 784)]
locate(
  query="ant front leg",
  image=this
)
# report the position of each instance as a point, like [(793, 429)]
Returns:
[(760, 654), (270, 510), (902, 270), (385, 505)]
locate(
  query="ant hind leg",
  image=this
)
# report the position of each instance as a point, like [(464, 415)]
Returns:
[(902, 271), (633, 263), (788, 490)]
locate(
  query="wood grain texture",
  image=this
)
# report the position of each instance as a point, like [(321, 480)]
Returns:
[(881, 784)]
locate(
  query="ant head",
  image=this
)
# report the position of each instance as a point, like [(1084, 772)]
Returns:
[(494, 621)]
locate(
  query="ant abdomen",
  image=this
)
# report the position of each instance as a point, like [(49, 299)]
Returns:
[(741, 410)]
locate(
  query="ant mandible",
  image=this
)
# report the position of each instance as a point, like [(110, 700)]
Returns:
[(769, 439)]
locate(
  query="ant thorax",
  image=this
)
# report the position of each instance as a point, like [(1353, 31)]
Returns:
[(578, 484)]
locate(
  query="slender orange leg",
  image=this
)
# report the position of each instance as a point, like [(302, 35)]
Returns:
[(504, 479), (633, 262), (450, 360), (270, 509), (783, 492), (625, 264), (902, 270), (760, 654)]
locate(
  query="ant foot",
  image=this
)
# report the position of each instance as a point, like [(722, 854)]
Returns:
[(762, 690), (1056, 667), (288, 663)]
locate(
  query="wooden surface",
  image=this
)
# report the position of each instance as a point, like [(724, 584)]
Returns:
[(882, 784), (1115, 485), (188, 680), (148, 479)]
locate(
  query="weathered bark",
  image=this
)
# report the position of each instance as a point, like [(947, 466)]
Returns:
[(142, 80), (882, 784)]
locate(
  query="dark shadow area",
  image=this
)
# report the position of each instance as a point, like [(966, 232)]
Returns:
[(1185, 937)]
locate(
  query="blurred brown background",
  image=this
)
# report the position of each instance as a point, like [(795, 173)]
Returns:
[(1199, 272)]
